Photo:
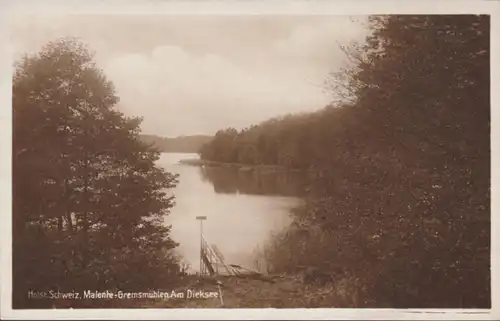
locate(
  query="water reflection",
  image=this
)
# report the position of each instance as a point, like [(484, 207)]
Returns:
[(242, 208), (254, 182)]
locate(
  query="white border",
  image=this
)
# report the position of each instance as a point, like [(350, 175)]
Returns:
[(231, 7)]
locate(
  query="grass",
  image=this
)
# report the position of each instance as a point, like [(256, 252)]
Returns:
[(244, 292)]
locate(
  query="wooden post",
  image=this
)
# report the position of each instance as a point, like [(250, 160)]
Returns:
[(220, 293), (201, 219)]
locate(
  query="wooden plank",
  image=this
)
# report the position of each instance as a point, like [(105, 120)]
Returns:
[(218, 252), (208, 265)]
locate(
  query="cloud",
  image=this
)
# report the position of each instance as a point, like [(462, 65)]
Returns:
[(318, 43), (202, 93), (199, 74)]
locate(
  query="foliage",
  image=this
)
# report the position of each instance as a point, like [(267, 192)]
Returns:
[(401, 197), (88, 200), (181, 144)]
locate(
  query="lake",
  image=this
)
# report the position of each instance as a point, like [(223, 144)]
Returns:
[(243, 208)]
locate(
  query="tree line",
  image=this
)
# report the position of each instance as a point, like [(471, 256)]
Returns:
[(399, 207), (181, 144), (88, 200)]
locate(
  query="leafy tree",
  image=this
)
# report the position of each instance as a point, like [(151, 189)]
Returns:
[(222, 147), (422, 92), (400, 203), (88, 200)]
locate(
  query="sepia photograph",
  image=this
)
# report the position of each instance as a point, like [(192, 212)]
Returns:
[(251, 161)]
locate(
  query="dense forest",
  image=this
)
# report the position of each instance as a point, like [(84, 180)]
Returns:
[(182, 144), (399, 208), (88, 199)]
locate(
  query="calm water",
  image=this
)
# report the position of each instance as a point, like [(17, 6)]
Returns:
[(243, 208)]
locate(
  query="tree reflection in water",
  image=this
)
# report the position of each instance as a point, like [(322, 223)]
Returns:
[(254, 181)]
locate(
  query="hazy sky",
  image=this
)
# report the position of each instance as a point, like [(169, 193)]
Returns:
[(196, 74)]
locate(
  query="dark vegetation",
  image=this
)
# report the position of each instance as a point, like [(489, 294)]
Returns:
[(399, 208), (182, 144), (88, 200), (255, 182)]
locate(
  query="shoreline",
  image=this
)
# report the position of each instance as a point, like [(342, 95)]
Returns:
[(239, 166)]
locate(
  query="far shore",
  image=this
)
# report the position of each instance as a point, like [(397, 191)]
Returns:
[(239, 166)]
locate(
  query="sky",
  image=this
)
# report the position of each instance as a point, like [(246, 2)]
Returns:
[(190, 75)]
